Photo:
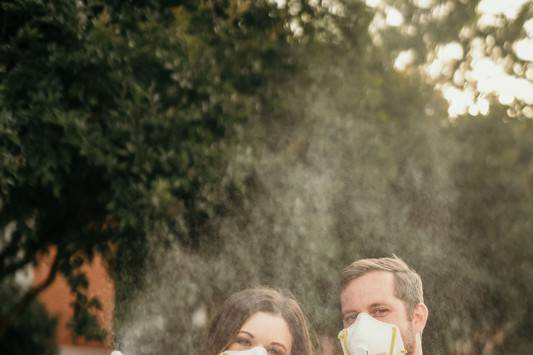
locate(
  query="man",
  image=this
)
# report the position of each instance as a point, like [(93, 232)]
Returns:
[(388, 290)]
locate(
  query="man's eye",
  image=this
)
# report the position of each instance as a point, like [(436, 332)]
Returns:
[(350, 318), (380, 312)]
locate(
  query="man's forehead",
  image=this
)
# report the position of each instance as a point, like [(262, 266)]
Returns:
[(371, 288)]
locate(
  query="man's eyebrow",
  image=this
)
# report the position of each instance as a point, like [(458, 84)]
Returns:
[(378, 304), (349, 312)]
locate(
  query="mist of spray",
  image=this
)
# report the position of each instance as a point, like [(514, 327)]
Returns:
[(360, 169)]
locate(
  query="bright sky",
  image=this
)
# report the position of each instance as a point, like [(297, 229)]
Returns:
[(489, 75)]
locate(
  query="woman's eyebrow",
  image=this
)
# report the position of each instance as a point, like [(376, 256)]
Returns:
[(279, 344), (247, 333)]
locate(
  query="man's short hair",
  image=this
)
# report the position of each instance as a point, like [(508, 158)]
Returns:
[(407, 282)]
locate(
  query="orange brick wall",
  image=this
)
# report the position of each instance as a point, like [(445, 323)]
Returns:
[(57, 299)]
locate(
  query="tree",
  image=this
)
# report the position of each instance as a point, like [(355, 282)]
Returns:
[(451, 40), (111, 117)]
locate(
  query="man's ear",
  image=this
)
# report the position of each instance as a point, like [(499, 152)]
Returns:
[(420, 317)]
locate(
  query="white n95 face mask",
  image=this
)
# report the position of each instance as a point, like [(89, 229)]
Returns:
[(369, 336), (258, 350)]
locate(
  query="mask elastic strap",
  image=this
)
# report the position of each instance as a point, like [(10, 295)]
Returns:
[(392, 341)]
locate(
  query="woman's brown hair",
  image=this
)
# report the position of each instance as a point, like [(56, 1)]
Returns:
[(242, 305)]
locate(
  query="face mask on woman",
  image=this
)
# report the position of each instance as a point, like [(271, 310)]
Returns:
[(369, 336), (254, 351)]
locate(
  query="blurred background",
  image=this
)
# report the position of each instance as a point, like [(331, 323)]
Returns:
[(156, 156)]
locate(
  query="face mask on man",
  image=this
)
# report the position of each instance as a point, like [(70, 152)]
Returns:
[(258, 350), (369, 336)]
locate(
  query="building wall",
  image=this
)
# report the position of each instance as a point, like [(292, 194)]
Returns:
[(57, 299), (81, 350)]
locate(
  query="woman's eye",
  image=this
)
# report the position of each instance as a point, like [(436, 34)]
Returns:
[(243, 342), (275, 351)]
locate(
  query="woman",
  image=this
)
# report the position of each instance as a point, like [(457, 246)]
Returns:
[(260, 318)]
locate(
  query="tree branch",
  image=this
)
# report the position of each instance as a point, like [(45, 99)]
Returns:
[(30, 295), (12, 248)]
